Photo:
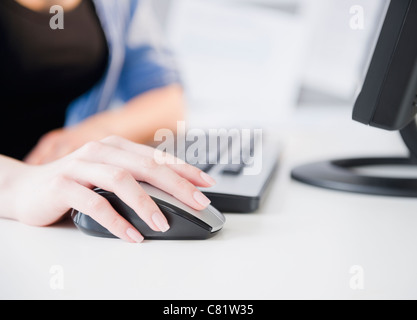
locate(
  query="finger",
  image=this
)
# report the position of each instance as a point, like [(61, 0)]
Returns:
[(90, 203), (187, 171), (145, 169), (168, 180), (124, 185)]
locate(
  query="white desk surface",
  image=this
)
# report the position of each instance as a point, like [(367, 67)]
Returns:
[(301, 244)]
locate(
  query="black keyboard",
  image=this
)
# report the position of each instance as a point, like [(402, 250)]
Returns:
[(242, 168)]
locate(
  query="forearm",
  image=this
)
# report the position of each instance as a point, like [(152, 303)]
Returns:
[(142, 116), (10, 170), (136, 121)]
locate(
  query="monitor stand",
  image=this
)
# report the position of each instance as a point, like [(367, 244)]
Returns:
[(340, 174)]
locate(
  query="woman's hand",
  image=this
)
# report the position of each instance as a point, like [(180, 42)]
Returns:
[(137, 120), (61, 142), (42, 195)]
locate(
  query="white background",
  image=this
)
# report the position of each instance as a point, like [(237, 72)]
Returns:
[(254, 61)]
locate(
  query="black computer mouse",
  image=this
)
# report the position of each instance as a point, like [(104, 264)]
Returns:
[(185, 222)]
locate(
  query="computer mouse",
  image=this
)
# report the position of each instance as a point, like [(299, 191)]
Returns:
[(185, 222)]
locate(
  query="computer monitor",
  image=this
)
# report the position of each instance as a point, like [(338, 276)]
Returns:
[(388, 100)]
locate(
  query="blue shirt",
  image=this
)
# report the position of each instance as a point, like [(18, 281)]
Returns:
[(138, 59)]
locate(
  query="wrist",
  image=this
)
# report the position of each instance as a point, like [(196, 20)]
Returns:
[(96, 127), (10, 173)]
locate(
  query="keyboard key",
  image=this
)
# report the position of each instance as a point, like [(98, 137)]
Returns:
[(204, 167), (233, 169)]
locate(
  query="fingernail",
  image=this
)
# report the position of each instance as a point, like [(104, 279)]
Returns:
[(201, 199), (134, 235), (160, 222), (208, 179)]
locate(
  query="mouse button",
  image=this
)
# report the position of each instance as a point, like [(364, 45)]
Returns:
[(183, 215), (210, 215), (126, 212), (216, 213), (181, 227), (158, 194)]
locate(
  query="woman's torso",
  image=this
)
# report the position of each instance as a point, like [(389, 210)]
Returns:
[(44, 69)]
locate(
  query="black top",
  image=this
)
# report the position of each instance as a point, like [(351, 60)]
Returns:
[(42, 70)]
